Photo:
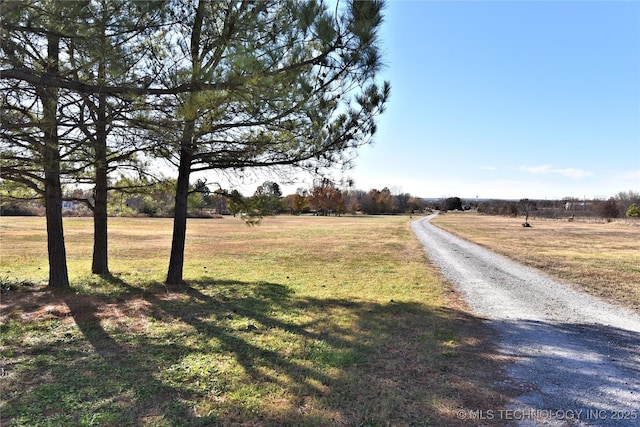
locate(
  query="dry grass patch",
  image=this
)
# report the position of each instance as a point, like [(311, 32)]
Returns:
[(600, 258), (300, 321)]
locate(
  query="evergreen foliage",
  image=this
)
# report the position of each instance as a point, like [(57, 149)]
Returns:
[(91, 87)]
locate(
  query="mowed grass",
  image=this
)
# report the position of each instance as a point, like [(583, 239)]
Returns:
[(600, 258), (300, 321)]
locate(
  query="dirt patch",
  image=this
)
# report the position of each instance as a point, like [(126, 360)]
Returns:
[(49, 304)]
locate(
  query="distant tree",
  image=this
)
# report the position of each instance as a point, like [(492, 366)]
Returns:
[(266, 199), (370, 204), (149, 206), (401, 202), (453, 203), (378, 201), (297, 202), (196, 202), (200, 196), (218, 201), (609, 209), (235, 202), (325, 198), (146, 196), (526, 207), (353, 200), (632, 211), (384, 200), (417, 204), (270, 188), (367, 202), (626, 198)]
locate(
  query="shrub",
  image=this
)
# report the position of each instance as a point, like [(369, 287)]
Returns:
[(609, 209), (17, 209)]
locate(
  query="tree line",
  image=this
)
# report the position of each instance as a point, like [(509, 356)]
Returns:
[(103, 86), (139, 198), (625, 204)]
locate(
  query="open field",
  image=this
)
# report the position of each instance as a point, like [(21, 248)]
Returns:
[(600, 258), (299, 321)]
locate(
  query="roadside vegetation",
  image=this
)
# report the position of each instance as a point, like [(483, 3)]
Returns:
[(300, 321), (600, 258)]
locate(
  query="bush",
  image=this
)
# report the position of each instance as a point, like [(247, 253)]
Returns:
[(17, 209), (609, 209)]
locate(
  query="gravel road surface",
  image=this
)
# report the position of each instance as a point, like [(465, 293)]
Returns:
[(577, 358)]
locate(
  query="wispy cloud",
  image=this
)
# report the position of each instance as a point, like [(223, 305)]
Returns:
[(549, 169), (488, 168)]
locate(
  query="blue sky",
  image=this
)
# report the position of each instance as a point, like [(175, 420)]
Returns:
[(508, 99)]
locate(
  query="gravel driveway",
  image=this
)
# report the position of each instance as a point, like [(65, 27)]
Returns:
[(577, 358)]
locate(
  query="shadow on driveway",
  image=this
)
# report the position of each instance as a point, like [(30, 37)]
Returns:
[(573, 373)]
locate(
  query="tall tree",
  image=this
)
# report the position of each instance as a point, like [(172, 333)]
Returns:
[(102, 43), (58, 275), (285, 84), (33, 149), (234, 85), (111, 46)]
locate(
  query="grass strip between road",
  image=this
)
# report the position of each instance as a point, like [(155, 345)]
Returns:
[(299, 321)]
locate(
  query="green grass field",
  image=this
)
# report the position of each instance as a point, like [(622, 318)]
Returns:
[(300, 321)]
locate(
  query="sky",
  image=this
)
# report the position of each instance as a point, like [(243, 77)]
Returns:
[(508, 99)]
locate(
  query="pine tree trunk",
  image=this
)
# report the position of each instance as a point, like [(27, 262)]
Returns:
[(176, 261), (58, 275), (100, 256), (100, 239), (187, 147)]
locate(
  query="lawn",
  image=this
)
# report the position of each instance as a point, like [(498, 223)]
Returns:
[(299, 321), (600, 258)]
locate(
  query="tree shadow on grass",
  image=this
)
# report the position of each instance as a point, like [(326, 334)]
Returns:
[(240, 353)]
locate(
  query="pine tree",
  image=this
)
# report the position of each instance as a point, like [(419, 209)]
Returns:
[(32, 141), (296, 89)]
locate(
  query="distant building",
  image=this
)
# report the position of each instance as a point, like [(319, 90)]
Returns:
[(569, 206), (69, 205)]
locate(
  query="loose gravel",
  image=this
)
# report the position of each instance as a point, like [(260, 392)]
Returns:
[(576, 357)]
